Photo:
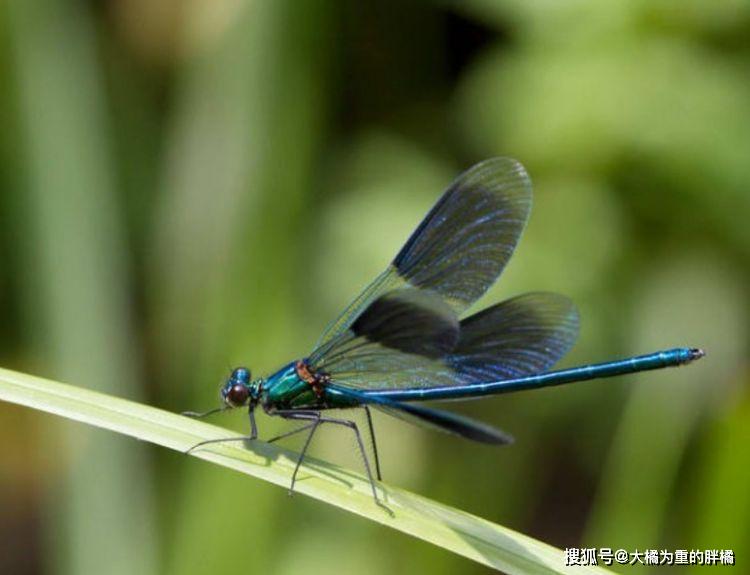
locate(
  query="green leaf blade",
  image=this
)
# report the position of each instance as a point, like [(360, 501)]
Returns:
[(449, 528)]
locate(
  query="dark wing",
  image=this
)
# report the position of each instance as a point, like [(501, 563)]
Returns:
[(407, 323), (436, 419), (463, 244), (448, 422), (521, 336)]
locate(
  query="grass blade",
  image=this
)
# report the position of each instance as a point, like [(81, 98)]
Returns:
[(451, 529)]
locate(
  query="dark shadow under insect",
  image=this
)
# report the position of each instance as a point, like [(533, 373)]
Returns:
[(315, 419)]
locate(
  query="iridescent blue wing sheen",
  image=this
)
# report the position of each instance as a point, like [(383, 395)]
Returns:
[(462, 245), (521, 336), (403, 323)]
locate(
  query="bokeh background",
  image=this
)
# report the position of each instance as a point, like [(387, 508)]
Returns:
[(191, 185)]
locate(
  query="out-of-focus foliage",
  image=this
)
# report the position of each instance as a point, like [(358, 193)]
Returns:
[(185, 186)]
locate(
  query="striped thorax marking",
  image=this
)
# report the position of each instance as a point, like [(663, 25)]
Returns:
[(316, 380)]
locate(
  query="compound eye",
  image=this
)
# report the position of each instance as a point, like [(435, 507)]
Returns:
[(237, 395)]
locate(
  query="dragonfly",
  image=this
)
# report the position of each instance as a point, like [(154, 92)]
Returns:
[(403, 340)]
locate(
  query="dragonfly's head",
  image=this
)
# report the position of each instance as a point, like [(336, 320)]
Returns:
[(239, 389)]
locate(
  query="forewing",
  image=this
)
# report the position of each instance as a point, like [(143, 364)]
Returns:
[(400, 328), (410, 321), (463, 244)]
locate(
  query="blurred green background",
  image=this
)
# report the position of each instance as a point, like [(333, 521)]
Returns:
[(191, 185)]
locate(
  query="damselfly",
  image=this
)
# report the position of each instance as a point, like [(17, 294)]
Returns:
[(402, 342)]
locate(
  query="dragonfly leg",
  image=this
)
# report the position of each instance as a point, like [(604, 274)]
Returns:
[(199, 414), (319, 420), (374, 444), (253, 426), (290, 433), (305, 416), (353, 426)]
